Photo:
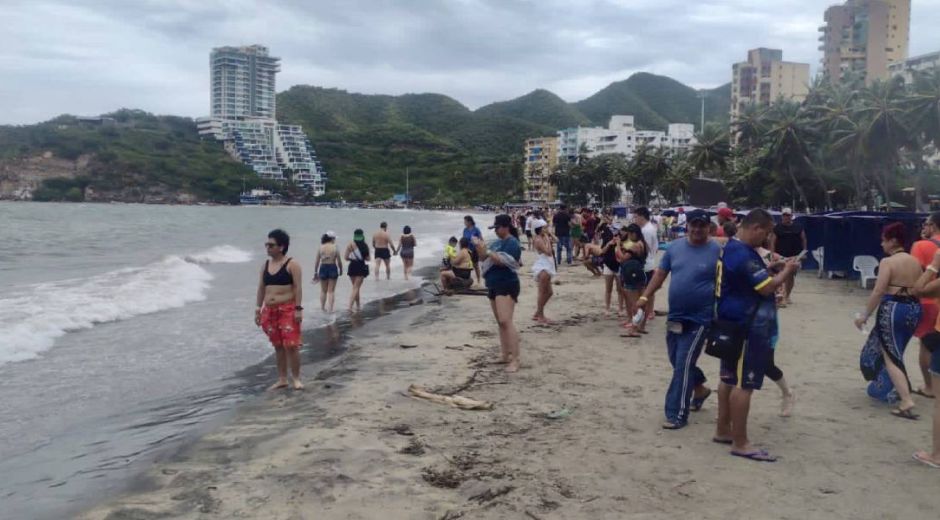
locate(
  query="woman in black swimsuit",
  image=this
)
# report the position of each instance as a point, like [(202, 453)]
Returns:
[(357, 256)]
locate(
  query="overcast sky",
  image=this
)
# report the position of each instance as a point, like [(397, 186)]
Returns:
[(87, 57)]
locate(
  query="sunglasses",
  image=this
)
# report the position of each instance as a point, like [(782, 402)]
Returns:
[(269, 245)]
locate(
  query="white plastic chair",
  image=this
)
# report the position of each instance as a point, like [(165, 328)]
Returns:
[(865, 265), (819, 256)]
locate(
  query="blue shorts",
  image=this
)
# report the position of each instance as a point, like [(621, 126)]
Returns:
[(328, 272), (748, 370)]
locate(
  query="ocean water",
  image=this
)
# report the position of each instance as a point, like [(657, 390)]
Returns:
[(126, 328)]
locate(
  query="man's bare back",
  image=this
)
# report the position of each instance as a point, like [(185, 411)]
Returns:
[(380, 239)]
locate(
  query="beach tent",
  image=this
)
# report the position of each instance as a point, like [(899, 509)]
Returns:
[(845, 235), (619, 210)]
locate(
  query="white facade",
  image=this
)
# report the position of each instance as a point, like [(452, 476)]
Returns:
[(908, 67), (243, 110), (621, 136)]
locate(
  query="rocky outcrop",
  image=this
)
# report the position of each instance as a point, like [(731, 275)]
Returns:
[(19, 178)]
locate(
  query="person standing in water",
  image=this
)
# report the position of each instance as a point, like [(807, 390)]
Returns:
[(279, 307), (327, 271), (406, 248), (383, 251), (500, 265), (357, 254), (543, 269)]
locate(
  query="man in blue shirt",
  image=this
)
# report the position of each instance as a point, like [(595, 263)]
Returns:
[(692, 261), (747, 297)]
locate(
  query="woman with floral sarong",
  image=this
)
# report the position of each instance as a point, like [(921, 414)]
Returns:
[(898, 312)]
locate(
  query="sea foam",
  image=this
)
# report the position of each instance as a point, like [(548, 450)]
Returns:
[(34, 316)]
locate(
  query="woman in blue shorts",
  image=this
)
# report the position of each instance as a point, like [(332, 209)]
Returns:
[(328, 269)]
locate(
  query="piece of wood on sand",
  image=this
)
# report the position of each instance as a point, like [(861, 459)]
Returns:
[(457, 401)]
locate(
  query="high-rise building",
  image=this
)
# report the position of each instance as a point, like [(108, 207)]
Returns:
[(541, 159), (242, 81), (243, 108), (622, 137), (862, 37), (764, 78)]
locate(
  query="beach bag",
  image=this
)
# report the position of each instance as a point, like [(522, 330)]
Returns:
[(725, 339), (632, 274)]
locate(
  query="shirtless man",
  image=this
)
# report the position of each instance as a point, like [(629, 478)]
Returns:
[(279, 311), (383, 246)]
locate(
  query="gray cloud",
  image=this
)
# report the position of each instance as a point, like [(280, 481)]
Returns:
[(88, 57)]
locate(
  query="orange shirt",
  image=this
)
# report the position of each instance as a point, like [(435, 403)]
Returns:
[(923, 251)]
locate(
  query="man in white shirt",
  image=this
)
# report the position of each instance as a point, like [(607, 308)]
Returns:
[(651, 235), (529, 220)]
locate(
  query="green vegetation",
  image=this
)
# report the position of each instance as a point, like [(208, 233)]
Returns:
[(845, 146), (457, 155), (135, 155)]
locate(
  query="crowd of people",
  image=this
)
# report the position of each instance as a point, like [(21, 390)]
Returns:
[(730, 276)]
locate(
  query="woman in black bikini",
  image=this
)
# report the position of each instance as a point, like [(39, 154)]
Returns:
[(357, 256)]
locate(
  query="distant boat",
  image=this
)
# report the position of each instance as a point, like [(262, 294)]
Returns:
[(259, 198)]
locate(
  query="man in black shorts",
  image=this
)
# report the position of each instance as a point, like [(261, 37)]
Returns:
[(383, 250), (789, 240)]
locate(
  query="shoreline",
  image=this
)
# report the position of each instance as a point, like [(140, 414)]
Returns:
[(575, 434)]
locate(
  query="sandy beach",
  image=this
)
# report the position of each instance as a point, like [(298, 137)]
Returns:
[(575, 434)]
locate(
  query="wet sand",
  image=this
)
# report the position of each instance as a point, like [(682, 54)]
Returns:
[(575, 434)]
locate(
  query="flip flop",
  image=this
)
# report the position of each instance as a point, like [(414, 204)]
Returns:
[(916, 456), (905, 414), (672, 426), (716, 440), (920, 392), (697, 402), (758, 456)]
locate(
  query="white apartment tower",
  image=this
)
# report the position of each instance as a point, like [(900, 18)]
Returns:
[(243, 110)]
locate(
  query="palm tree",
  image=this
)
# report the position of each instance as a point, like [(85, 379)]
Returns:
[(922, 108), (884, 130), (748, 127), (711, 150), (832, 112), (674, 185), (789, 137)]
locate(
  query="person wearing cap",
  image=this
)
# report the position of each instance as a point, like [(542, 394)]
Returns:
[(543, 269), (501, 262), (357, 254), (692, 262), (327, 271), (788, 241), (724, 215)]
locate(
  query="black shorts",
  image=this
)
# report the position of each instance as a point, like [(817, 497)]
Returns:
[(528, 233), (382, 253), (357, 268), (474, 255), (510, 289)]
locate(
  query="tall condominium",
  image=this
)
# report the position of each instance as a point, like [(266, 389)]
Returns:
[(861, 38), (243, 82), (764, 78), (243, 118), (541, 159)]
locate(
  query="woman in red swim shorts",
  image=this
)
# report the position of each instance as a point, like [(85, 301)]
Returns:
[(279, 311)]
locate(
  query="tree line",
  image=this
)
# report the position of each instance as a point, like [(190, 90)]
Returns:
[(847, 145)]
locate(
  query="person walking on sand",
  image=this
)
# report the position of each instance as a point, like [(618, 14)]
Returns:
[(928, 286), (501, 263), (788, 241), (632, 255), (279, 307), (561, 222), (327, 271), (746, 298), (642, 218), (357, 255), (923, 250), (788, 399), (543, 269), (471, 231), (383, 246), (898, 313), (692, 262), (406, 249)]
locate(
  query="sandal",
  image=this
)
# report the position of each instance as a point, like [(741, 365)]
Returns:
[(905, 414), (697, 402), (757, 455), (920, 392)]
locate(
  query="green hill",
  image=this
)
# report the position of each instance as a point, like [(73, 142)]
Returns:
[(134, 157), (540, 107)]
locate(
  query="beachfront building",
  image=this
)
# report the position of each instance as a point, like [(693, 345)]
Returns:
[(541, 159), (861, 38), (243, 107), (621, 136), (907, 68), (765, 78)]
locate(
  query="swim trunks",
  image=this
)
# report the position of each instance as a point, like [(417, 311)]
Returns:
[(277, 321), (383, 253), (504, 288)]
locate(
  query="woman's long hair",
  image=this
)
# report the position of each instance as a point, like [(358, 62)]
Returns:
[(361, 244)]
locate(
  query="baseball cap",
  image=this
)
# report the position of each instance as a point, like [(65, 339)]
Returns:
[(359, 235), (502, 221), (787, 211), (697, 215), (725, 212), (331, 234), (722, 205), (539, 223)]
